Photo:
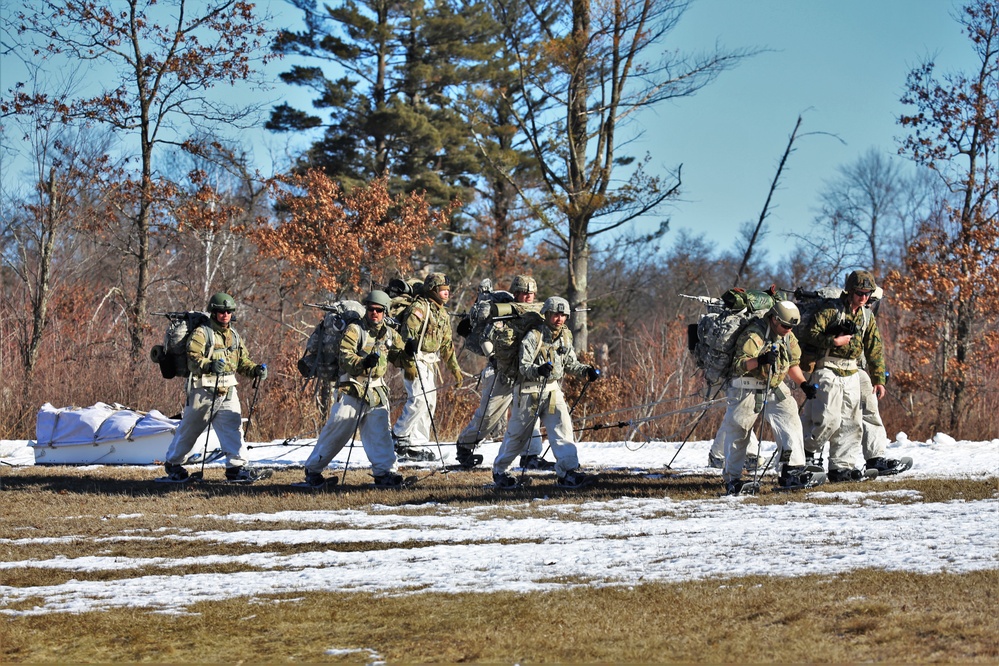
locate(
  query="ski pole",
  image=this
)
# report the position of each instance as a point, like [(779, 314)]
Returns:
[(537, 418), (253, 401), (694, 427), (433, 423), (582, 392), (763, 417), (208, 430), (357, 424)]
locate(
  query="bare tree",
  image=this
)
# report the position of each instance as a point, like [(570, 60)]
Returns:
[(157, 63), (578, 88)]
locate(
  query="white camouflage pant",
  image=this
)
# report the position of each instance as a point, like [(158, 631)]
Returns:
[(227, 422), (554, 416), (834, 416), (414, 425), (492, 415), (744, 407), (339, 430), (874, 437)]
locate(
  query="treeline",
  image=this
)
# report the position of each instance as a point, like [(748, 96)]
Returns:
[(481, 139)]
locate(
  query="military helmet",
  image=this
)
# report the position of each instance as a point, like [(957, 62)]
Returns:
[(221, 302), (378, 297), (786, 313), (555, 304), (524, 284), (860, 281), (435, 281)]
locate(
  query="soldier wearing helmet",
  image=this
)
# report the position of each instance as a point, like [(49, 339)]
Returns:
[(846, 337), (546, 356), (426, 332), (765, 353), (215, 354), (366, 349), (492, 415)]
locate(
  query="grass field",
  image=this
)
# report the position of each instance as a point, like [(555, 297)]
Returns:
[(60, 515)]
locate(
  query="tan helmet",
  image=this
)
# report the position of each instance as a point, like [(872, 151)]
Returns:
[(860, 281), (435, 281), (524, 284), (786, 313), (556, 304)]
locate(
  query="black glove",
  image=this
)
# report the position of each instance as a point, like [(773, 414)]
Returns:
[(217, 367), (412, 346), (545, 370), (370, 361), (464, 326), (810, 390), (260, 372), (593, 374), (769, 357)]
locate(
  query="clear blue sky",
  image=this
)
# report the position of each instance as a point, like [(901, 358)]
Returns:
[(840, 64)]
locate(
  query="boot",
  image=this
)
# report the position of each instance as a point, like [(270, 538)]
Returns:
[(842, 475), (574, 479), (466, 458), (504, 481), (794, 477), (388, 481), (175, 472), (885, 466)]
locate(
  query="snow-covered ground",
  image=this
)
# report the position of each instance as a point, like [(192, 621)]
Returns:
[(625, 541)]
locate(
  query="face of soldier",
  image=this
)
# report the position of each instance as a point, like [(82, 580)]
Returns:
[(223, 317), (859, 298), (374, 312), (779, 327), (444, 293), (524, 297), (555, 320)]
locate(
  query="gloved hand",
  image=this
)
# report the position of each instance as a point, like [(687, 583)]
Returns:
[(464, 326), (593, 374), (545, 370), (810, 390), (412, 347), (370, 361), (769, 357), (217, 366), (260, 372), (458, 379)]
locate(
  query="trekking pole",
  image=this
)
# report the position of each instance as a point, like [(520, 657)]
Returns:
[(433, 422), (571, 409), (253, 402), (208, 430), (489, 396), (357, 424), (537, 418), (763, 418), (693, 428)]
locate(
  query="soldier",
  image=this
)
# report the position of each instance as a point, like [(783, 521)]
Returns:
[(846, 335), (765, 353), (546, 356), (215, 353), (491, 416), (426, 330), (366, 349)]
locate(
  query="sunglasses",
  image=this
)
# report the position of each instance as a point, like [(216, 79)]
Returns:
[(864, 294), (375, 309), (784, 324), (224, 311)]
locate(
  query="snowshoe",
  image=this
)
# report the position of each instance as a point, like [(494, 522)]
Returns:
[(742, 487), (177, 474), (411, 454), (536, 463), (466, 459), (504, 481), (246, 474), (392, 481), (798, 478), (889, 466), (851, 475), (316, 481), (575, 479)]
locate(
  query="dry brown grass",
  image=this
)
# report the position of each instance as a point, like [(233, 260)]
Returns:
[(867, 615)]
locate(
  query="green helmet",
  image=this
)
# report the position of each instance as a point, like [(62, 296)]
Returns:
[(523, 284), (222, 303), (860, 281), (378, 297), (786, 313)]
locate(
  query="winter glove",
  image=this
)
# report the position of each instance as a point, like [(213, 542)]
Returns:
[(593, 374), (458, 379), (545, 370), (769, 357), (412, 347), (810, 390), (260, 371), (464, 326), (217, 366), (370, 361), (409, 371)]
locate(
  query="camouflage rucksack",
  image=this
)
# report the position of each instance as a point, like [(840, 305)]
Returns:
[(517, 319), (171, 356), (477, 326), (712, 339), (322, 350), (811, 303)]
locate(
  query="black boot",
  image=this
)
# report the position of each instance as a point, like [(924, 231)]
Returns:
[(466, 457)]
